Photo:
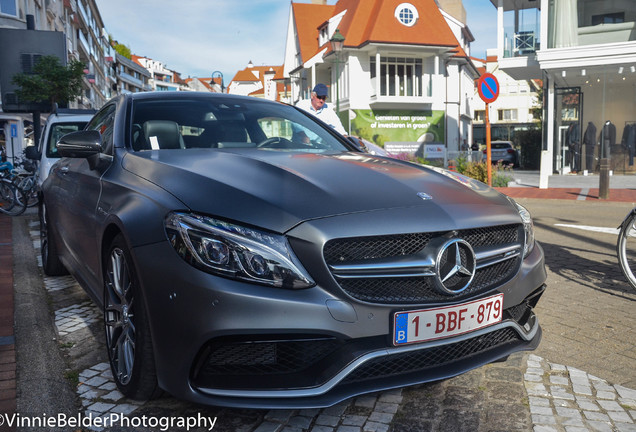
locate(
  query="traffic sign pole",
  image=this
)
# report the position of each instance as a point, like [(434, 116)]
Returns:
[(488, 146), (488, 89)]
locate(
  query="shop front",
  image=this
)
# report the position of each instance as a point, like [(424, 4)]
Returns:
[(594, 118)]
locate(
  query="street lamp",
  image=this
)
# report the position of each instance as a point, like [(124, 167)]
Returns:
[(212, 82), (337, 42)]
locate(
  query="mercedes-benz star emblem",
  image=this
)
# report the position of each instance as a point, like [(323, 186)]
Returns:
[(455, 267)]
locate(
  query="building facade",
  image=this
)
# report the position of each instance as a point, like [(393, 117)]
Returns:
[(86, 39), (161, 78), (260, 81), (403, 76), (131, 76), (514, 110), (585, 53)]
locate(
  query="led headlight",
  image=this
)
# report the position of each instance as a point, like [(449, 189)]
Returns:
[(235, 251), (528, 227)]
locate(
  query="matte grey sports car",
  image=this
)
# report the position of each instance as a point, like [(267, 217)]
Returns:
[(245, 254)]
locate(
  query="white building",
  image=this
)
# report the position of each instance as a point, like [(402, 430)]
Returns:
[(403, 76), (161, 78)]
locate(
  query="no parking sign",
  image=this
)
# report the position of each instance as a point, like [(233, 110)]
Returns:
[(488, 87)]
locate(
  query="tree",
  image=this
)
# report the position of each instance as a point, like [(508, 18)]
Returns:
[(123, 50), (51, 81)]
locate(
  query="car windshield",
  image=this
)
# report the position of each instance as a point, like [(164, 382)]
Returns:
[(221, 122), (500, 146)]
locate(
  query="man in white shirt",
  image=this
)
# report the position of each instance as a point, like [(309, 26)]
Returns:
[(319, 108)]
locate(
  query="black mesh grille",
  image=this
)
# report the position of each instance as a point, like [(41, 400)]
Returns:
[(414, 290), (266, 357), (415, 361), (374, 247)]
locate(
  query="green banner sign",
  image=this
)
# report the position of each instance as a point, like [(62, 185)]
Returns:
[(382, 126)]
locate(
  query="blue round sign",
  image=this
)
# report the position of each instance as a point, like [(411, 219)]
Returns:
[(488, 87)]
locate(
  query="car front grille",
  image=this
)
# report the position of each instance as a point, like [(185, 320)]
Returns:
[(420, 360), (409, 289)]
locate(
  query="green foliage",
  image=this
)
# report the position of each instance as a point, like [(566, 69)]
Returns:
[(479, 171), (123, 50), (50, 81)]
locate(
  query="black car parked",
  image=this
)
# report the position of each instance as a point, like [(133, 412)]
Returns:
[(245, 254)]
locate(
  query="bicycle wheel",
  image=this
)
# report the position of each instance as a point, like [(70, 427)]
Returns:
[(13, 199), (7, 196), (626, 248)]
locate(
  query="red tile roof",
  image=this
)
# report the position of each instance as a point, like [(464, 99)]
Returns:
[(307, 18), (373, 21)]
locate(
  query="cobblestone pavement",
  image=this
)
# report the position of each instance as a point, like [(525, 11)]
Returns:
[(527, 392)]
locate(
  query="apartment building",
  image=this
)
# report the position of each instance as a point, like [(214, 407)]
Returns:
[(161, 78), (585, 53), (131, 76), (404, 74)]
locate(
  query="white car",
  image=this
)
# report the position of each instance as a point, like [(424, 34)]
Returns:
[(58, 124)]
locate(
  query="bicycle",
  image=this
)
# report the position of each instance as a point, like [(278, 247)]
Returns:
[(12, 200), (626, 247)]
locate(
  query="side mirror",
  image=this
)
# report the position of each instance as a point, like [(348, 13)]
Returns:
[(80, 144), (31, 152)]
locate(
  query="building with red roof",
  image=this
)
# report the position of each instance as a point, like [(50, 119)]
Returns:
[(259, 81), (404, 74)]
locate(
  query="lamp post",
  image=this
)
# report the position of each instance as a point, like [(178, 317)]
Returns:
[(337, 42), (212, 82)]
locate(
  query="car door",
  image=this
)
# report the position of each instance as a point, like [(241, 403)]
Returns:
[(79, 189)]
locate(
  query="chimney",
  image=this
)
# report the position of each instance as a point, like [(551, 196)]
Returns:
[(319, 2), (454, 8)]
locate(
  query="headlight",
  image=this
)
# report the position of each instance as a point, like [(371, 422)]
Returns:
[(235, 251), (528, 228)]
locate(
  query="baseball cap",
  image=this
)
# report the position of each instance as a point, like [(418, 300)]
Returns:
[(321, 90)]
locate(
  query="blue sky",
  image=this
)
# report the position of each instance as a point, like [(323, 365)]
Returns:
[(198, 37)]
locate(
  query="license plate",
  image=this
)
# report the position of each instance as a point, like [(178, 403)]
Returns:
[(431, 324)]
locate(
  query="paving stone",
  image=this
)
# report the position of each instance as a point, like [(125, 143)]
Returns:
[(354, 420), (327, 420)]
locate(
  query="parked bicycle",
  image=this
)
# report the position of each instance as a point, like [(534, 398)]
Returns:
[(626, 247), (19, 188)]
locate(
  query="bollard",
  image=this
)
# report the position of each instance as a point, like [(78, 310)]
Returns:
[(604, 180)]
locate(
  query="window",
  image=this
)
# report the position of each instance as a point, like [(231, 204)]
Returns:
[(8, 7), (399, 76), (480, 115), (406, 14), (609, 18), (507, 115)]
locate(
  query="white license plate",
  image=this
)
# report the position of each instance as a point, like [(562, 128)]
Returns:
[(439, 323)]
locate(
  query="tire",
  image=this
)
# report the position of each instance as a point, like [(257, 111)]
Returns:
[(128, 338), (626, 248), (7, 197), (48, 247)]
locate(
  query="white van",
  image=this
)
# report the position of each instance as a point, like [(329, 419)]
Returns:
[(58, 124)]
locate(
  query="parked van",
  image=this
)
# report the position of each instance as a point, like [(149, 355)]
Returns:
[(58, 124)]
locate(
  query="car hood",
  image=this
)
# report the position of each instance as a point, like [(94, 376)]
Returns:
[(278, 190)]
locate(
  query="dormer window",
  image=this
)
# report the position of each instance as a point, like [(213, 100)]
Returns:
[(324, 35), (406, 14)]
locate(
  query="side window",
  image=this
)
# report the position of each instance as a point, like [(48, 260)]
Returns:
[(104, 122)]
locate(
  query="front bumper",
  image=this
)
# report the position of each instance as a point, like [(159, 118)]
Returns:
[(202, 325)]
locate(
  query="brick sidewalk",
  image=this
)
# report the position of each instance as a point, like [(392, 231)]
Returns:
[(585, 194), (7, 338)]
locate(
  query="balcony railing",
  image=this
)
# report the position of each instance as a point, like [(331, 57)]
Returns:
[(521, 43)]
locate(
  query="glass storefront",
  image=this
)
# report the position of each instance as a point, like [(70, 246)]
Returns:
[(595, 119)]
